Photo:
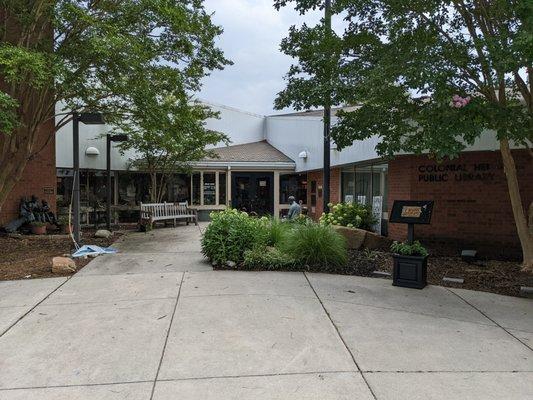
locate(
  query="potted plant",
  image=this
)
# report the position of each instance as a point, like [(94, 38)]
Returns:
[(410, 264), (38, 228), (64, 225)]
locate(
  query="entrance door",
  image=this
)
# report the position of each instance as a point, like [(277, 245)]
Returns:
[(253, 192)]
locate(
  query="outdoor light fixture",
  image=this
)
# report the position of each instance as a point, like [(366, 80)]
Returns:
[(303, 154), (110, 138), (92, 151), (87, 118)]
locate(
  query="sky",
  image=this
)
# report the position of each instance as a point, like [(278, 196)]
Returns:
[(253, 31)]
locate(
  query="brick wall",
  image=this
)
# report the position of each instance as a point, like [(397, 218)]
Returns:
[(472, 206), (38, 178), (334, 193)]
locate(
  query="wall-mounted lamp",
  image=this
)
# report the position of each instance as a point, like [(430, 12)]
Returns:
[(303, 154), (92, 151)]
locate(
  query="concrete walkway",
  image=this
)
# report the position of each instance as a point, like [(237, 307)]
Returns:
[(155, 322)]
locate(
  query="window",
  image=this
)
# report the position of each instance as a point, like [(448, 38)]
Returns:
[(210, 191), (178, 188), (195, 182), (293, 185), (363, 185), (133, 188), (348, 184), (204, 188), (367, 184)]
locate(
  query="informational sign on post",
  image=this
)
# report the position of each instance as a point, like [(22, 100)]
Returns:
[(411, 212)]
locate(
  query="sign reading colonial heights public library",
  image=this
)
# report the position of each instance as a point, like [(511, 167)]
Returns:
[(457, 172)]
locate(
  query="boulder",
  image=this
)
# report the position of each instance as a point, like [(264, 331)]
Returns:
[(103, 233), (63, 264), (373, 241), (354, 237)]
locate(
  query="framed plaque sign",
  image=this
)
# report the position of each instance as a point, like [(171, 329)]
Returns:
[(411, 212)]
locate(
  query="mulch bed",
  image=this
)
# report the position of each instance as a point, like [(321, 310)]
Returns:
[(502, 277), (28, 256)]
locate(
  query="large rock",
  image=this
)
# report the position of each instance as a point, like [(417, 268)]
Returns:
[(373, 241), (354, 237), (103, 233), (63, 264)]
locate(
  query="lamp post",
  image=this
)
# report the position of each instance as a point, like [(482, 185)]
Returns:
[(110, 139), (87, 119), (327, 118)]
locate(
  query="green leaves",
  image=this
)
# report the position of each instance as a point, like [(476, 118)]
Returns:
[(19, 64), (412, 58), (8, 116), (317, 79)]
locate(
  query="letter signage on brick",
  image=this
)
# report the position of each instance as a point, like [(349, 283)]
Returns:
[(436, 173)]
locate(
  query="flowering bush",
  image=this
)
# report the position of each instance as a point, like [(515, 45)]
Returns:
[(231, 233), (351, 215)]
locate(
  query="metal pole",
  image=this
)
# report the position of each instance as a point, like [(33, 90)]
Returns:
[(327, 119), (108, 186), (76, 165), (410, 233)]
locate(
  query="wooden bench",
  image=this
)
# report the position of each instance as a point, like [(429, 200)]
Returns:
[(153, 212)]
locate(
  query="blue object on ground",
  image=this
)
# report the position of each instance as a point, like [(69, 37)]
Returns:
[(92, 250)]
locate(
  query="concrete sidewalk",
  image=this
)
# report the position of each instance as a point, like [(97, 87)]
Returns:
[(156, 322)]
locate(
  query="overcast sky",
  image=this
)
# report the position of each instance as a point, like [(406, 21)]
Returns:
[(253, 30)]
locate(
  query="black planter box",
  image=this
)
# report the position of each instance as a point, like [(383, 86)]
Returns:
[(410, 271)]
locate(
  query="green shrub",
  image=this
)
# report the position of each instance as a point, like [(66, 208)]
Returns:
[(316, 245), (230, 234), (268, 258), (352, 215), (278, 231), (406, 249)]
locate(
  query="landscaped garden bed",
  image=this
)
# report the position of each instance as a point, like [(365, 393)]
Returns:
[(502, 277), (29, 256), (236, 241)]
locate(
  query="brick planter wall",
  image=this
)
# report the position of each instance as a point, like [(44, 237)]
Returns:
[(38, 178), (472, 205)]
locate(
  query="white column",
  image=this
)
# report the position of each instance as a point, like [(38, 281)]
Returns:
[(228, 187), (216, 188), (201, 188), (276, 194)]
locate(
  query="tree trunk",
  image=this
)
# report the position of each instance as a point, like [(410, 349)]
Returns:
[(153, 187), (14, 155), (525, 236)]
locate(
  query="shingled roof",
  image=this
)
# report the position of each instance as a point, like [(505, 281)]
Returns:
[(250, 152)]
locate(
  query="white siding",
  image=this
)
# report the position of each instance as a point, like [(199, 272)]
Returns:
[(291, 135)]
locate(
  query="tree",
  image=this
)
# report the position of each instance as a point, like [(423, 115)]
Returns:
[(95, 55), (432, 76), (168, 140), (316, 80)]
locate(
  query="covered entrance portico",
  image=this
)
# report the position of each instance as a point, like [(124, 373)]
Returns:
[(253, 192), (252, 174)]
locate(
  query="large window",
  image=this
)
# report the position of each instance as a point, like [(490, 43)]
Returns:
[(293, 185), (178, 188), (133, 188), (367, 184), (205, 191), (210, 189), (196, 180)]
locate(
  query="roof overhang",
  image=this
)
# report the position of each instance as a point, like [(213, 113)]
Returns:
[(249, 165)]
